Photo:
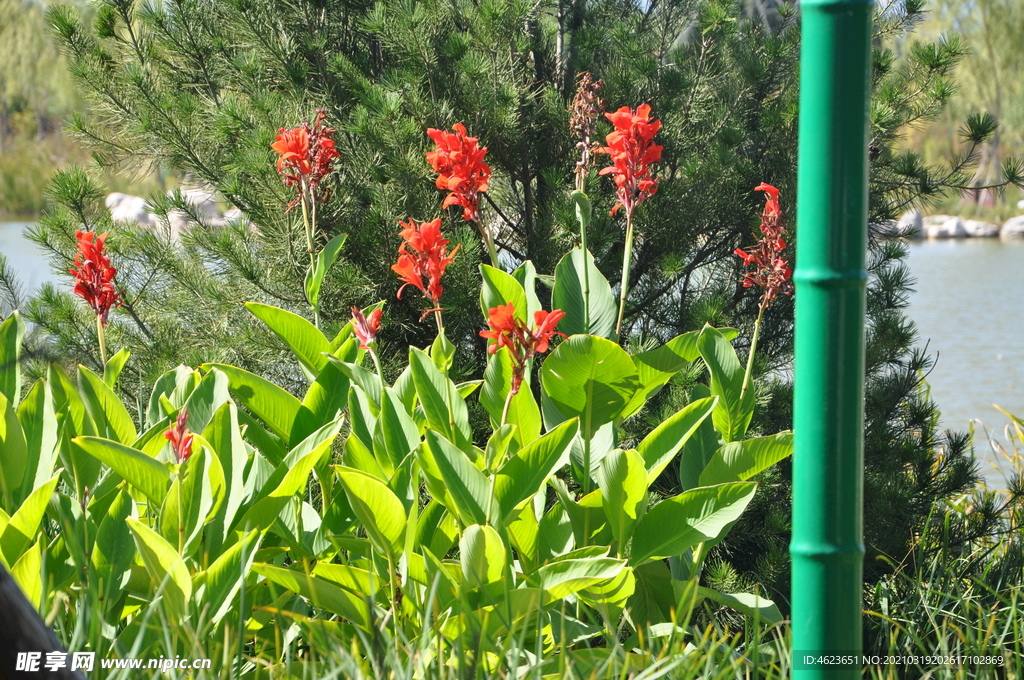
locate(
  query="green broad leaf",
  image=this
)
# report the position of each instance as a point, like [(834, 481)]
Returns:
[(146, 474), (39, 425), (591, 378), (165, 566), (442, 352), (696, 516), (526, 275), (739, 461), (652, 600), (525, 473), (327, 396), (568, 295), (209, 395), (107, 411), (660, 446), (523, 411), (484, 558), (264, 441), (81, 469), (196, 494), (12, 331), (523, 530), (325, 259), (226, 576), (320, 593), (114, 550), (565, 630), (556, 535), (368, 381), (593, 450), (623, 483), (378, 508), (14, 455), (359, 581), (569, 576), (747, 603), (735, 408), (500, 289), (701, 445), (175, 383), (21, 530), (115, 364), (395, 434), (467, 487), (657, 367), (279, 410), (27, 573), (289, 478), (305, 341), (225, 438), (587, 517), (446, 411), (469, 387)]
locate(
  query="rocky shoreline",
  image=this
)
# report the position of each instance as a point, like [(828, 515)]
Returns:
[(914, 225)]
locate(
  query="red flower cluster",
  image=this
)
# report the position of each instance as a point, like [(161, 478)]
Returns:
[(770, 272), (424, 253), (459, 164), (366, 327), (508, 331), (307, 155), (180, 437), (94, 275), (633, 151)]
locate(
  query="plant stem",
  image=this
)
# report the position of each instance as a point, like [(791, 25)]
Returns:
[(487, 240), (309, 223), (376, 363), (181, 514), (504, 410), (753, 351), (626, 257), (101, 336), (582, 182), (440, 325)]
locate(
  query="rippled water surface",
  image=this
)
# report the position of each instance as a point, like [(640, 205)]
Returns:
[(969, 305)]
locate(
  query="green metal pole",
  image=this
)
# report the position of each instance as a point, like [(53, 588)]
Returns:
[(831, 280)]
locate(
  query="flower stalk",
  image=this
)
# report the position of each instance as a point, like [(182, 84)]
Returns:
[(94, 282)]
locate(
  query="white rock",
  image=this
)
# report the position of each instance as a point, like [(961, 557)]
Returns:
[(129, 209), (910, 224), (979, 229), (953, 227), (930, 220), (114, 199), (1020, 204), (1013, 227)]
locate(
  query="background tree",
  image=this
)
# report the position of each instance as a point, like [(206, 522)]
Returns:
[(202, 86)]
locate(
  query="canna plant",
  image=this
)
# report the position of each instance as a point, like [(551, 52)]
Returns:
[(367, 508)]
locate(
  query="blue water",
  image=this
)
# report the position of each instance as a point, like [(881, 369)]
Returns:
[(968, 306), (24, 256)]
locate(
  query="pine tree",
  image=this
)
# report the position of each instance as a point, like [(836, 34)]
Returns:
[(201, 87)]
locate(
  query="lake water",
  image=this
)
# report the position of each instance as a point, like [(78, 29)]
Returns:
[(967, 306)]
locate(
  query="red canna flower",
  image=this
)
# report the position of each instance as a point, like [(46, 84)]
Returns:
[(180, 437), (307, 155), (459, 163), (633, 151), (366, 327), (522, 343), (423, 258), (770, 273), (94, 276)]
